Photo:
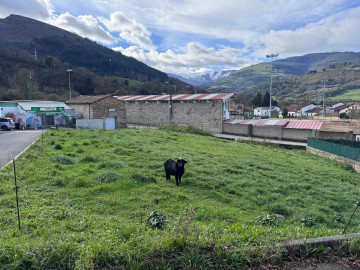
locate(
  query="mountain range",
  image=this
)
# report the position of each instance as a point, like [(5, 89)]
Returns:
[(18, 32), (244, 80), (200, 78), (34, 57)]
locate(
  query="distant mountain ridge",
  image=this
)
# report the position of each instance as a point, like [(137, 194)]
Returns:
[(28, 34), (199, 78), (246, 78)]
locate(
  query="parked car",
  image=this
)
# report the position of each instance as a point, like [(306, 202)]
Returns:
[(6, 123)]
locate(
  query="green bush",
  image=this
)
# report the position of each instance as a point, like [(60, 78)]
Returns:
[(308, 222), (267, 219), (58, 146), (156, 220)]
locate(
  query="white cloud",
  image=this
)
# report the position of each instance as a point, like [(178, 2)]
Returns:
[(141, 40), (120, 23), (193, 57), (85, 26), (335, 33), (37, 9), (130, 30)]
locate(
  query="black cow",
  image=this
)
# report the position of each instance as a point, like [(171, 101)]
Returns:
[(175, 168)]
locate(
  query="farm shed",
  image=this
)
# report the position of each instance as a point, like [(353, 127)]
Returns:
[(35, 114), (205, 111), (110, 110)]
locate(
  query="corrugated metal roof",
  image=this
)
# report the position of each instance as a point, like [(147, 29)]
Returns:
[(304, 124), (44, 104), (216, 96), (296, 124)]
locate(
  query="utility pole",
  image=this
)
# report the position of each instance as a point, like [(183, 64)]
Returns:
[(271, 56), (323, 101), (69, 70)]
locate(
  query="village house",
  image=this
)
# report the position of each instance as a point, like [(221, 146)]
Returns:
[(263, 112), (107, 110)]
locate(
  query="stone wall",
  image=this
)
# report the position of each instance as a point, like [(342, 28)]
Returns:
[(206, 115), (84, 109), (110, 107), (106, 107), (353, 163)]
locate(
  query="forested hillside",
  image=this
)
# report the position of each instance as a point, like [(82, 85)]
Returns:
[(29, 34), (294, 67), (332, 81)]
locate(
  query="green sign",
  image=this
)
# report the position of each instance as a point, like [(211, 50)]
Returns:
[(47, 109)]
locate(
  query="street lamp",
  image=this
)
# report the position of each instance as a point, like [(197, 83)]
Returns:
[(69, 70), (110, 67), (271, 56), (323, 100)]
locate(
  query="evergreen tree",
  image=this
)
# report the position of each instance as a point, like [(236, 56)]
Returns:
[(266, 100), (256, 101)]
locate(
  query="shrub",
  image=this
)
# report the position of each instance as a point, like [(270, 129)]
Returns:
[(267, 219), (107, 177), (308, 222), (156, 220), (58, 146)]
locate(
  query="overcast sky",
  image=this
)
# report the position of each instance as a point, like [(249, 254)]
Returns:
[(193, 35)]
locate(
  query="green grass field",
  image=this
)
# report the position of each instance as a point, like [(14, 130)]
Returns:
[(353, 94), (84, 198)]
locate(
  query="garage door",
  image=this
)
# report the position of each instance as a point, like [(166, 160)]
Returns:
[(110, 123)]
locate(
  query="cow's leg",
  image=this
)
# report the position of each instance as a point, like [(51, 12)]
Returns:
[(177, 180), (167, 176)]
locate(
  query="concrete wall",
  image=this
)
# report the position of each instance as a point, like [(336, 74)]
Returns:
[(242, 130), (89, 123), (202, 114), (290, 134), (271, 132), (329, 135), (286, 134)]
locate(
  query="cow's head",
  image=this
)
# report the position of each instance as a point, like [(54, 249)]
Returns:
[(181, 162)]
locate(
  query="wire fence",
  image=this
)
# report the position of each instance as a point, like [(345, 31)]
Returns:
[(343, 148)]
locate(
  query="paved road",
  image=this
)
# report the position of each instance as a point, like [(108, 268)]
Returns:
[(14, 142), (331, 266)]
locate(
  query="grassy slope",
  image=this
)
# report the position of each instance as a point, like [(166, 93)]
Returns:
[(347, 95), (88, 213)]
